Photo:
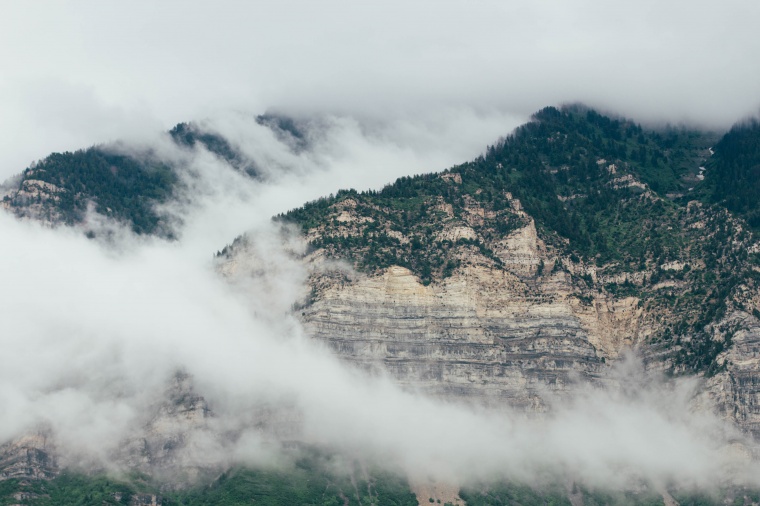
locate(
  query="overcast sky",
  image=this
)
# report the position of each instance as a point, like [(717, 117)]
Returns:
[(413, 87), (75, 73)]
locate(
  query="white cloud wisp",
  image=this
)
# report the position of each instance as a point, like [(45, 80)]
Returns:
[(91, 336)]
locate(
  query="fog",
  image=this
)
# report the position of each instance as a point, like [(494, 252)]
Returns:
[(78, 73), (94, 331)]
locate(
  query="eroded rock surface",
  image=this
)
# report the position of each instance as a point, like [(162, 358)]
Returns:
[(481, 335), (31, 456)]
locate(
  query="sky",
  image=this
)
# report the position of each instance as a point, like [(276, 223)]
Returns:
[(392, 88), (75, 73)]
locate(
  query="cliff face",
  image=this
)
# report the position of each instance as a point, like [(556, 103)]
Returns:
[(166, 443), (28, 457), (510, 280), (735, 392), (526, 273), (482, 334), (494, 335)]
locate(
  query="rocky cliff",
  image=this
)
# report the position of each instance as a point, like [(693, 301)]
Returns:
[(510, 280), (527, 272), (500, 329), (28, 457)]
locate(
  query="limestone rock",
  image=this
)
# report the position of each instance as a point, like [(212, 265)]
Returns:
[(31, 456)]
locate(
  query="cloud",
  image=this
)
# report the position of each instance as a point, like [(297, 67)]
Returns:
[(343, 153), (92, 334), (146, 63)]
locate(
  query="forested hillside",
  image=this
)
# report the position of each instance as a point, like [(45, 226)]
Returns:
[(125, 187), (60, 187), (606, 195), (733, 175), (515, 273)]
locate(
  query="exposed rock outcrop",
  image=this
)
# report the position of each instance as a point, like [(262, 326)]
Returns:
[(31, 456), (481, 335), (735, 391)]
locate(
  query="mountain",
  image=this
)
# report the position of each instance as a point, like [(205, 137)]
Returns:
[(520, 276), (117, 182), (552, 247), (733, 179), (60, 188), (125, 184), (190, 135)]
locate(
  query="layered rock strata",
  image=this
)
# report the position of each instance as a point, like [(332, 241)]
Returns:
[(477, 336), (735, 391), (491, 334), (28, 457)]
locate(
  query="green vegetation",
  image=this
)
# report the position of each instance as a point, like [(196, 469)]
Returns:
[(733, 175), (314, 480), (514, 493), (300, 486), (66, 489), (308, 483), (189, 135), (122, 187), (7, 489), (287, 129), (75, 489), (587, 178), (511, 493), (580, 175), (405, 224), (603, 192)]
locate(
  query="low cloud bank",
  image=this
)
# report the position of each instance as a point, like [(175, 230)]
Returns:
[(93, 333), (78, 74)]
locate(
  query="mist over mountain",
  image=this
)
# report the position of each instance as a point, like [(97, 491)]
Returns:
[(77, 75), (467, 331), (380, 253)]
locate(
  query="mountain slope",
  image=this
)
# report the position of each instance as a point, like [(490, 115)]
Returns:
[(116, 182), (533, 267), (596, 218), (514, 279), (733, 175), (59, 188)]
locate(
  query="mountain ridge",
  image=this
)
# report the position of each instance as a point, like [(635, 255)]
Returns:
[(522, 273)]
